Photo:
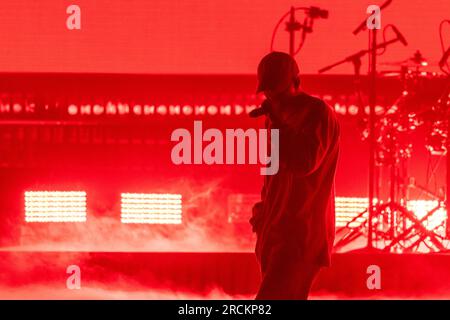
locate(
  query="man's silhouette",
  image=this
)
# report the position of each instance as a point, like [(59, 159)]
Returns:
[(294, 221)]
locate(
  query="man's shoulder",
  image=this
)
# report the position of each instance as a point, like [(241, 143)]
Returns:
[(305, 97), (316, 107)]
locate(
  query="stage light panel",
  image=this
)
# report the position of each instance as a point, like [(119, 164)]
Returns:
[(151, 208), (347, 208), (55, 206)]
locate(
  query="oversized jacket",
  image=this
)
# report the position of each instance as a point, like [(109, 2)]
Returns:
[(296, 211)]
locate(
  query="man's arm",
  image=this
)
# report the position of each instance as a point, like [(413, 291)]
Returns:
[(257, 210), (308, 143)]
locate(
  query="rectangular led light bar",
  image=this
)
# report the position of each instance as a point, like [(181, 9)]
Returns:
[(348, 208), (151, 208), (163, 208), (55, 206)]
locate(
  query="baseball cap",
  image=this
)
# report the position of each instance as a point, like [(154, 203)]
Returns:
[(276, 69)]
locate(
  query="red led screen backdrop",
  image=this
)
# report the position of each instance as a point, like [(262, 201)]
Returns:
[(197, 36)]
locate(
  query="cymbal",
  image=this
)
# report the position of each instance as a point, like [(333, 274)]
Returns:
[(409, 64), (410, 74), (390, 73), (416, 61)]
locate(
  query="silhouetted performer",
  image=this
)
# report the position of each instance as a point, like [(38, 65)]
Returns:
[(295, 220)]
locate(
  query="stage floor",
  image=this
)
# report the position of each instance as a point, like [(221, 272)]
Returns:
[(211, 275)]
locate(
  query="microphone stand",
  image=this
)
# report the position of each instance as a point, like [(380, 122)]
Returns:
[(446, 97), (356, 60), (372, 137), (372, 117), (358, 55), (292, 26)]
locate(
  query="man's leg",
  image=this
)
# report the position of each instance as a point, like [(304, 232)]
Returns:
[(286, 278), (305, 280)]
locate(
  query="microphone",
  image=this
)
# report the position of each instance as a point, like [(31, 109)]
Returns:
[(261, 111), (315, 12), (444, 58), (400, 37)]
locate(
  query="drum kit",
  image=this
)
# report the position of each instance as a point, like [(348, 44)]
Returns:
[(392, 225), (421, 105)]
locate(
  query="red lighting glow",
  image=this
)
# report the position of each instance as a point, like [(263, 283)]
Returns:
[(151, 208), (422, 207), (348, 208), (55, 206)]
